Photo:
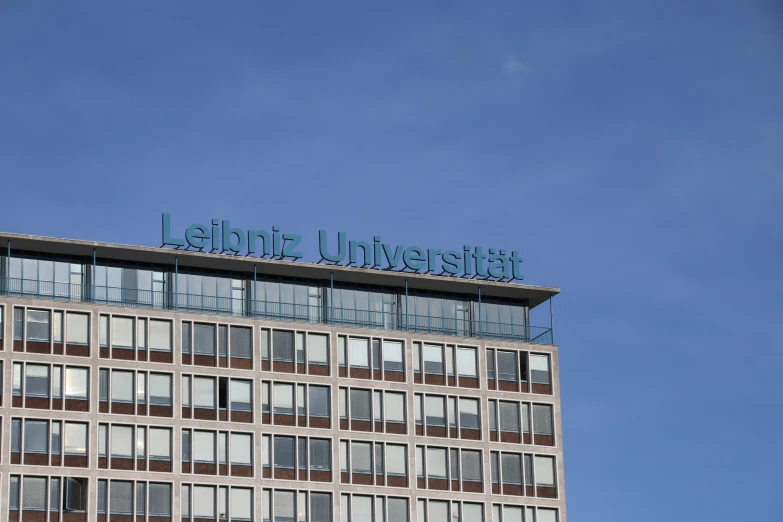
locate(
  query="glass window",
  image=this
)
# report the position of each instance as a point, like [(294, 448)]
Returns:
[(36, 436), (76, 383), (434, 410), (360, 405), (121, 497), (539, 369), (358, 353), (160, 443), (204, 446), (204, 502), (317, 349), (507, 366), (77, 328), (122, 389), (241, 449), (284, 399), (160, 338), (466, 362), (159, 499), (436, 463), (395, 407), (75, 440), (284, 452), (38, 325), (122, 441), (122, 332), (204, 392), (469, 413), (392, 356), (241, 342), (34, 493), (36, 380), (396, 459), (160, 389), (204, 339), (241, 392), (319, 401), (433, 359), (320, 454), (361, 457), (283, 346), (545, 471)]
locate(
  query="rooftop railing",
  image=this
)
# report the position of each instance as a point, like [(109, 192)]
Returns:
[(281, 311)]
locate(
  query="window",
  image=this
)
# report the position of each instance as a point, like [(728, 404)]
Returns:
[(241, 392), (75, 440), (241, 449), (160, 443), (17, 379), (104, 331), (13, 493), (204, 339), (185, 500), (539, 369), (36, 436), (121, 442), (511, 468), (283, 346), (122, 386), (241, 342), (341, 350), (318, 349), (509, 416), (204, 446), (469, 413), (160, 499), (141, 498), (120, 497), (34, 493), (320, 454), (223, 341), (544, 471), (396, 460), (77, 328), (392, 356), (54, 494), (358, 353), (284, 452), (436, 463), (466, 362), (122, 332), (542, 419), (433, 359), (186, 340), (361, 457), (160, 389), (75, 494), (36, 380), (160, 339), (507, 366), (241, 504), (395, 407), (284, 399), (141, 442), (434, 410), (319, 401), (141, 334), (471, 465), (38, 327), (360, 405), (490, 364), (76, 383), (204, 392)]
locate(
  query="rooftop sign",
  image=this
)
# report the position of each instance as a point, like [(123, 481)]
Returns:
[(220, 237)]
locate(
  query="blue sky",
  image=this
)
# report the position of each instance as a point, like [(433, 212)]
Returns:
[(632, 151)]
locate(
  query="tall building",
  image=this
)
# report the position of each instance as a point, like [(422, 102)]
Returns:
[(151, 384)]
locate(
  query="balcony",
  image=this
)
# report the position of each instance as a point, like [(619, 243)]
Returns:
[(245, 307)]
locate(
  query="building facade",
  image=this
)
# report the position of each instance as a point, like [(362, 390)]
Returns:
[(147, 384)]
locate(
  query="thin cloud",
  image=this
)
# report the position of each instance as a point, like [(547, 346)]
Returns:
[(513, 65)]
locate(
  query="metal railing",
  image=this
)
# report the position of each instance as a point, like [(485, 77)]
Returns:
[(244, 307)]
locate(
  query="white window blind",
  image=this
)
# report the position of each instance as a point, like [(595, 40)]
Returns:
[(317, 349), (433, 359), (398, 509), (204, 339), (395, 406), (320, 507), (436, 462), (241, 342), (361, 508), (320, 454), (57, 381), (319, 401), (539, 369), (204, 392), (512, 468), (525, 418), (141, 442), (449, 360), (284, 399), (204, 502), (122, 441), (122, 386), (507, 366), (512, 514), (361, 457), (466, 362), (160, 389), (494, 467), (57, 327), (241, 503), (545, 471), (265, 450), (434, 410), (160, 335), (493, 415), (360, 404), (392, 356), (471, 465), (122, 332), (377, 410), (159, 499), (34, 493), (241, 449), (76, 380), (75, 439), (241, 391), (141, 333), (542, 419), (283, 345), (104, 330), (36, 436), (396, 460), (473, 512), (37, 380), (38, 325), (469, 413), (185, 500), (284, 505), (358, 354), (342, 395), (438, 511), (545, 515), (419, 461), (120, 497), (528, 470), (77, 328), (509, 416), (160, 443), (204, 446)]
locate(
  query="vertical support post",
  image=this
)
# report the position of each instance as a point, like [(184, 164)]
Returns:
[(406, 304), (176, 282), (92, 277), (551, 320), (8, 270), (480, 329), (253, 291), (331, 296)]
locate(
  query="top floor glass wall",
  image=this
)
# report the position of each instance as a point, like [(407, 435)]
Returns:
[(283, 299)]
